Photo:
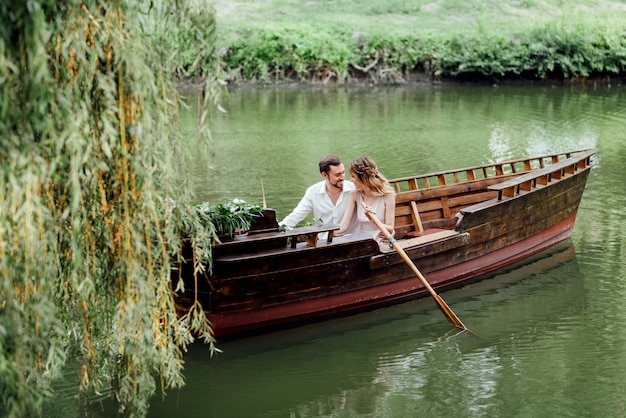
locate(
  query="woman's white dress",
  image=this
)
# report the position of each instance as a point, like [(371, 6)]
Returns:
[(378, 206)]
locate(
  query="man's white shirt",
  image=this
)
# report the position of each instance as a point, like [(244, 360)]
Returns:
[(316, 200)]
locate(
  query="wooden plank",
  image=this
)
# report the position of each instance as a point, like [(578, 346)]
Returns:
[(527, 166), (447, 241), (553, 170), (413, 242), (302, 253), (265, 236), (445, 209), (497, 168), (450, 189), (417, 221), (299, 282), (470, 199), (277, 286), (429, 205), (543, 180), (568, 189)]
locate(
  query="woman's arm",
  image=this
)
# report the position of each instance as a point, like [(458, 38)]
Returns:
[(347, 216), (390, 211)]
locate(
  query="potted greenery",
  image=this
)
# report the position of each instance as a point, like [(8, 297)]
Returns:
[(203, 225), (227, 219)]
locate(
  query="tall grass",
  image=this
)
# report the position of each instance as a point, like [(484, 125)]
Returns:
[(277, 40)]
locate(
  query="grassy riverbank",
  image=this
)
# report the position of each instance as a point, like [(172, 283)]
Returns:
[(269, 41)]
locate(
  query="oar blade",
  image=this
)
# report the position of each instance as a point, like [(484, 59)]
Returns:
[(450, 315)]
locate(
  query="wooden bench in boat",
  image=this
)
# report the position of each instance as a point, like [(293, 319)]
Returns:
[(417, 210), (264, 238), (293, 233), (429, 237), (434, 241), (298, 248)]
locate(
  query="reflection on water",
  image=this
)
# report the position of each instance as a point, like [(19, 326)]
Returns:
[(391, 360)]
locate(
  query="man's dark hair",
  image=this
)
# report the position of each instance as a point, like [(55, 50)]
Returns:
[(327, 161)]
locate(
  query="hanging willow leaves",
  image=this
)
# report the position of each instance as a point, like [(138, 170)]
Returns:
[(91, 155)]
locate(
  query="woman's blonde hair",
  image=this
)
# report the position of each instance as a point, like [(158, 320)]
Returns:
[(364, 168)]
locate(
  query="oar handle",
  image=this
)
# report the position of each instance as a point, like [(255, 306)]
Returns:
[(372, 217)]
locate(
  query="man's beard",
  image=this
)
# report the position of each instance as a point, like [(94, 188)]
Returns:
[(335, 185)]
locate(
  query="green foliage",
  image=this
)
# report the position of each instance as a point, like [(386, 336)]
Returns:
[(91, 153), (297, 53), (279, 40), (226, 218), (552, 51), (205, 224), (548, 52)]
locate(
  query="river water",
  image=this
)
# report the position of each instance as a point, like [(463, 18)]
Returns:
[(550, 337)]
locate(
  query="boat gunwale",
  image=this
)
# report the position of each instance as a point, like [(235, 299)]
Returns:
[(566, 154)]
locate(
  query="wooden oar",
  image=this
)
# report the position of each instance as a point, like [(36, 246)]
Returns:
[(451, 316)]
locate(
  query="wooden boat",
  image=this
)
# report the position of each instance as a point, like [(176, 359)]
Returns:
[(454, 225)]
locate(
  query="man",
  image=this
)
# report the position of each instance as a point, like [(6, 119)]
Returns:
[(326, 199)]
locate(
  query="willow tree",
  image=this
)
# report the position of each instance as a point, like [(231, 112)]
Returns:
[(90, 158)]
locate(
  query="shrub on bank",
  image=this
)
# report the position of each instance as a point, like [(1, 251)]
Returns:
[(303, 54), (545, 53), (288, 54)]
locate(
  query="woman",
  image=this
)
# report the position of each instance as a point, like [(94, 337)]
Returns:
[(379, 197)]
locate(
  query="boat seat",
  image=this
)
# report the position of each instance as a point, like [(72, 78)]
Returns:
[(292, 233), (418, 238), (429, 231), (417, 247)]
